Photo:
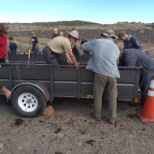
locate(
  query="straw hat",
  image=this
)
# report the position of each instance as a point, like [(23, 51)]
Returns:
[(109, 33), (74, 34)]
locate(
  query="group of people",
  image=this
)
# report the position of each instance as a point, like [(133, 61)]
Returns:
[(105, 56), (104, 61)]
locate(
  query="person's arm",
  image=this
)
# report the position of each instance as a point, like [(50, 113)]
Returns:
[(36, 41), (78, 52), (6, 92), (87, 47), (68, 50), (15, 46), (73, 58), (136, 43), (68, 58)]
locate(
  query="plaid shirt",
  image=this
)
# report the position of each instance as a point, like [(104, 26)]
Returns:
[(135, 57)]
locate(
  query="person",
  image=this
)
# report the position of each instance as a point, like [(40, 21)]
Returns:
[(129, 41), (83, 41), (103, 62), (55, 34), (35, 44), (61, 34), (12, 46), (6, 92), (136, 57), (75, 50), (55, 48), (3, 43)]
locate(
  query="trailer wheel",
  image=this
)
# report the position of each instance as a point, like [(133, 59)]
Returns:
[(28, 101)]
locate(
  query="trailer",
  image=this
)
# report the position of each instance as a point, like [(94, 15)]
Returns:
[(33, 85)]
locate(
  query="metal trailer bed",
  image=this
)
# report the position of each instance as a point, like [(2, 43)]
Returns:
[(32, 85)]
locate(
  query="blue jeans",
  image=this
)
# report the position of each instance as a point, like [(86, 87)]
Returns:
[(145, 82)]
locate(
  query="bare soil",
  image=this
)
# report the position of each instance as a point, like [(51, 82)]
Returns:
[(71, 130)]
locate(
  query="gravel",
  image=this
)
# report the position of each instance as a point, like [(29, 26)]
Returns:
[(71, 130)]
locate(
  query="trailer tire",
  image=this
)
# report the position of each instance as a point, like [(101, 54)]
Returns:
[(28, 101)]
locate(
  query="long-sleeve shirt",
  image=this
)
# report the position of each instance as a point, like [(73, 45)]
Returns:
[(105, 54), (135, 57), (76, 52), (132, 42)]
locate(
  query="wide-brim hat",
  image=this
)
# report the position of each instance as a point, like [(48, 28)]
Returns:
[(74, 34), (111, 33), (105, 34)]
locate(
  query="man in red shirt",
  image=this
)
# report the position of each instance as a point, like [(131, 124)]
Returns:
[(3, 43)]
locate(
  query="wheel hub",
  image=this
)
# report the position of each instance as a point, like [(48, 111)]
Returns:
[(27, 102)]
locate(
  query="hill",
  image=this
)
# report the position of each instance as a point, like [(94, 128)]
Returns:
[(88, 30)]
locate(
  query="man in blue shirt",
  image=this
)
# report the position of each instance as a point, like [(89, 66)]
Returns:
[(135, 57), (12, 46), (129, 41), (103, 62)]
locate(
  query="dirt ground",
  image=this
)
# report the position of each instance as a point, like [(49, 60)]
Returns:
[(71, 130)]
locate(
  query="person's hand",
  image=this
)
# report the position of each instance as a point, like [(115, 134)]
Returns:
[(70, 62), (77, 64), (7, 94)]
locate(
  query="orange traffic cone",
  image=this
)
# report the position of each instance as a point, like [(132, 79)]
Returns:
[(147, 114)]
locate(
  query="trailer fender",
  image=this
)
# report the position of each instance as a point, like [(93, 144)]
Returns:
[(39, 86)]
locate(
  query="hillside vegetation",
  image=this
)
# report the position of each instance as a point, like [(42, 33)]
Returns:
[(88, 30)]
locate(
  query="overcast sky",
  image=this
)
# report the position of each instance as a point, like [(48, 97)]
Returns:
[(99, 11)]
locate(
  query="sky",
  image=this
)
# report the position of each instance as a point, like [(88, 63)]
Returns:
[(98, 11)]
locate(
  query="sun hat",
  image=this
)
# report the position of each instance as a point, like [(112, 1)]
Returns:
[(105, 34), (109, 33), (74, 34)]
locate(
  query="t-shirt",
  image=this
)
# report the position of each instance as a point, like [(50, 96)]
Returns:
[(34, 41), (60, 45)]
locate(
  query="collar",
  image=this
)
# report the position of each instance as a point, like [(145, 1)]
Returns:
[(129, 36)]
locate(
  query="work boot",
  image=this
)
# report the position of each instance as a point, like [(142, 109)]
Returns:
[(96, 118)]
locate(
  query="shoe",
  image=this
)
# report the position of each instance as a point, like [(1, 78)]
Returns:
[(112, 121), (96, 118)]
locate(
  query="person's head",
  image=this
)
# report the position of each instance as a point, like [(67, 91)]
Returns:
[(10, 39), (109, 34), (73, 36), (123, 36), (33, 34), (2, 29), (61, 33), (83, 41), (55, 30)]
